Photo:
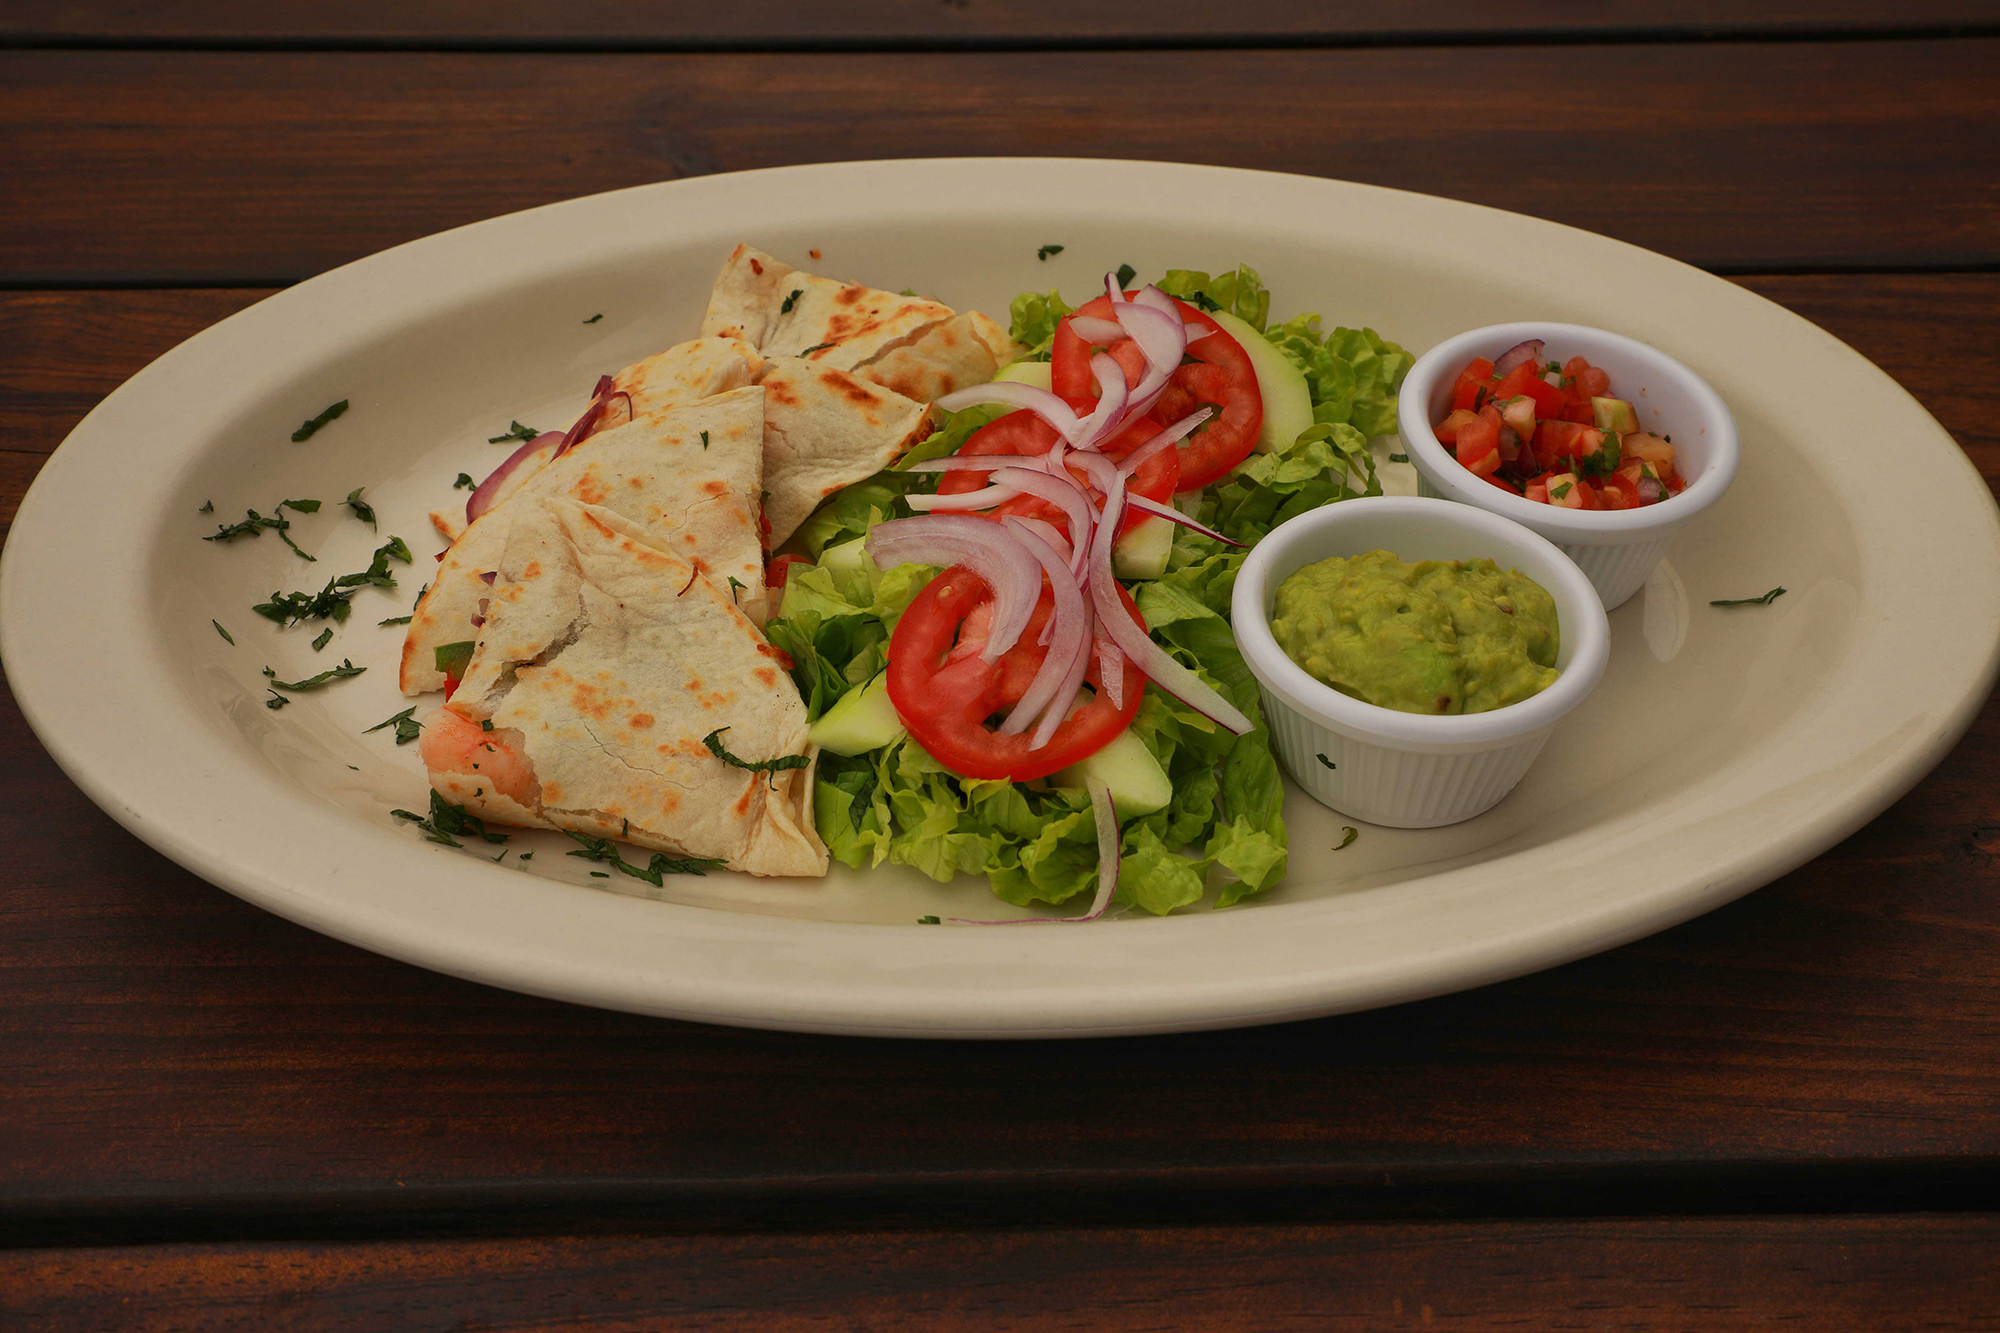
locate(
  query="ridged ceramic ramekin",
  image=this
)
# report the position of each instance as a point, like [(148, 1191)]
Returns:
[(1411, 770), (1615, 548)]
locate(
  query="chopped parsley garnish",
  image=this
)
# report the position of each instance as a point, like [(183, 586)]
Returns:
[(1604, 461), (451, 658), (330, 603), (791, 300), (1765, 600), (1324, 760), (1126, 273), (1560, 491), (1553, 368), (255, 523), (735, 588), (527, 856), (362, 510), (515, 430), (406, 725), (325, 637), (1203, 300), (594, 318), (223, 632), (306, 429), (341, 672), (929, 921), (817, 347), (772, 766), (486, 724), (1348, 834), (447, 819), (1048, 250), (465, 483), (208, 508), (654, 872), (1399, 458), (597, 874), (276, 700), (394, 620), (704, 439)]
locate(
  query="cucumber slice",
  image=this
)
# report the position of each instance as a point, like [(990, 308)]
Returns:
[(1142, 552), (860, 721), (1138, 784), (1027, 372), (1288, 408)]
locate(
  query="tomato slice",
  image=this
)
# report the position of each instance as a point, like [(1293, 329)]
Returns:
[(1219, 374), (1025, 433), (945, 692)]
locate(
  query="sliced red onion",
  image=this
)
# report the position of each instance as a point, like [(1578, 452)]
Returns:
[(1072, 681), (586, 425), (1519, 354), (1065, 492), (1651, 489), (983, 498), (1107, 848), (1174, 515), (976, 462), (1049, 533), (1111, 403), (1151, 659), (983, 547), (1009, 393), (482, 496), (1110, 663), (1098, 332), (1150, 295), (1172, 435), (1071, 623)]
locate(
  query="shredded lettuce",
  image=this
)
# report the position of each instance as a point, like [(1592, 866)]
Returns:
[(1224, 830)]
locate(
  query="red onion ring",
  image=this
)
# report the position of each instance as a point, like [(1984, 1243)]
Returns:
[(1071, 628), (1065, 492), (1049, 533), (1097, 332), (1173, 434), (482, 496), (1174, 515), (1010, 393), (1111, 403), (975, 462), (984, 548), (983, 498)]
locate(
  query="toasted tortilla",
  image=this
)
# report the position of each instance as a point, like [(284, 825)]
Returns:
[(914, 345), (604, 662), (825, 429), (689, 477), (684, 373)]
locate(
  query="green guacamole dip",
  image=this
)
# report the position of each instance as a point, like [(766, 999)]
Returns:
[(1439, 636)]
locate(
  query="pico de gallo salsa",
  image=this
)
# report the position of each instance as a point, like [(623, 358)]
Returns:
[(1555, 433)]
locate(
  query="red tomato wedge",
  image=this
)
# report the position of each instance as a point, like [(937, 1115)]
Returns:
[(1219, 374), (947, 694), (1025, 433)]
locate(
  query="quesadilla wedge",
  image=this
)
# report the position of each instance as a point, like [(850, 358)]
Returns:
[(604, 666), (689, 477), (902, 342), (824, 429), (684, 373)]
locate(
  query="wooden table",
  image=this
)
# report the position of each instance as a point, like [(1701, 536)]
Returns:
[(1785, 1110)]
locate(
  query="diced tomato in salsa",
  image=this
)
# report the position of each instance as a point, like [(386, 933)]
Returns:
[(1540, 439)]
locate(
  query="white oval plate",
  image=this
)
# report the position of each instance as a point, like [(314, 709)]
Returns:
[(1724, 747)]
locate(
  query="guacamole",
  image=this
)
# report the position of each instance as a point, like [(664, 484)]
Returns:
[(1439, 636)]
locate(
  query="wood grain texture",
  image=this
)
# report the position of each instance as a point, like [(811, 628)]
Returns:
[(1829, 1275), (790, 24), (259, 167)]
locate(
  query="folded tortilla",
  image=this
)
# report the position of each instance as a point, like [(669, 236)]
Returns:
[(684, 373), (914, 345), (825, 429), (604, 662), (689, 477)]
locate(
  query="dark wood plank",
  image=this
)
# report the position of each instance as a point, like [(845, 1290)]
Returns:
[(258, 167), (789, 24), (1851, 1273)]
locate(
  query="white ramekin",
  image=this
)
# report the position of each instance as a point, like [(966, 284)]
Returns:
[(1411, 770), (1615, 548)]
